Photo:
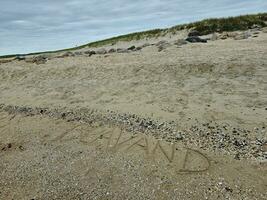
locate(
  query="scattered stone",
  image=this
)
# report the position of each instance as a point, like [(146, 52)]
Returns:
[(196, 39), (138, 48), (226, 35), (178, 136), (193, 33), (162, 45), (132, 48), (21, 148), (228, 189), (223, 36), (20, 58), (101, 51), (145, 45), (89, 53), (160, 48), (119, 50), (256, 27), (232, 34), (162, 42), (111, 51), (9, 145), (41, 59), (78, 53), (66, 54)]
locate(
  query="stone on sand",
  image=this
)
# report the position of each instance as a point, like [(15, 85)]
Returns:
[(195, 39)]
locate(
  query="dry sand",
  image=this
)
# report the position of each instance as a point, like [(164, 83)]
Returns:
[(202, 109)]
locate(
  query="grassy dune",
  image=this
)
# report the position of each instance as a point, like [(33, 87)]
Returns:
[(206, 26)]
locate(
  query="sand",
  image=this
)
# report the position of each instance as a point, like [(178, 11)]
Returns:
[(46, 155)]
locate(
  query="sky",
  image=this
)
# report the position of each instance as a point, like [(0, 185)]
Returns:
[(40, 25)]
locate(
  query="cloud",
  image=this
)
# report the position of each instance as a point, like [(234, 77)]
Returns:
[(30, 25)]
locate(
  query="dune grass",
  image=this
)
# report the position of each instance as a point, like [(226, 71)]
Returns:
[(204, 27), (228, 24)]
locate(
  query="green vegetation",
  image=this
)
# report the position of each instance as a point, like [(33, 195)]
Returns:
[(207, 26), (229, 24)]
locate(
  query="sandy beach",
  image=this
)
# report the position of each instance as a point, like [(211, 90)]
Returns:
[(166, 121)]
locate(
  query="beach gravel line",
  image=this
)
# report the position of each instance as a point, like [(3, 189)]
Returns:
[(211, 136)]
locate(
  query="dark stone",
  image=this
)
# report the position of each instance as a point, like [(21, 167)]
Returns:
[(162, 45), (90, 53), (237, 156), (21, 148), (131, 48), (40, 59), (193, 33), (160, 48), (78, 53), (195, 39), (111, 51), (67, 54), (228, 189), (138, 48), (19, 58)]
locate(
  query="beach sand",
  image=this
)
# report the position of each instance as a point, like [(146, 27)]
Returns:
[(188, 122)]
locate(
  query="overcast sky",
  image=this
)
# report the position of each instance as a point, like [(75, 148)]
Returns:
[(40, 25)]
